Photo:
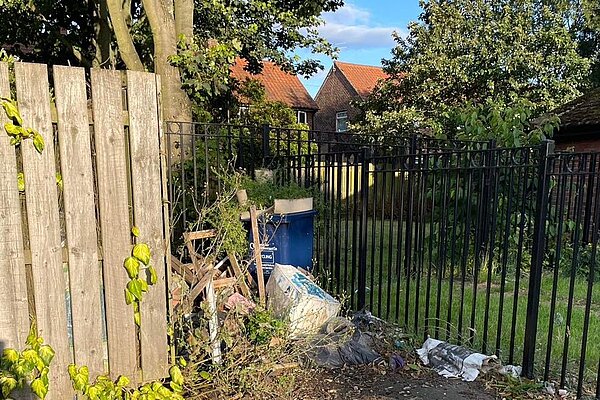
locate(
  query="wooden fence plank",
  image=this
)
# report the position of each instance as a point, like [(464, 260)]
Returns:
[(147, 205), (44, 224), (111, 170), (14, 312), (80, 216)]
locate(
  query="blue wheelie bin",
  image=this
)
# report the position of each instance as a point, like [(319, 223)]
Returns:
[(290, 240)]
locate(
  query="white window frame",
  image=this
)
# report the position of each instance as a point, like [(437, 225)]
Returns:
[(341, 115), (298, 119)]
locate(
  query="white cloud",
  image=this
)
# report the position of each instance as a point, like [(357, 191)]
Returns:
[(352, 27)]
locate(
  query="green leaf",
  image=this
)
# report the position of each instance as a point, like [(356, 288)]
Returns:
[(59, 180), (143, 285), (8, 384), (46, 353), (137, 318), (12, 129), (10, 355), (176, 375), (123, 381), (135, 287), (132, 265), (21, 181), (205, 375), (153, 276), (136, 231), (38, 387), (15, 141), (129, 297), (12, 112), (38, 142), (141, 251)]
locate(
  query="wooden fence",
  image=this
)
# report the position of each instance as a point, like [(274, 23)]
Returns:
[(62, 246)]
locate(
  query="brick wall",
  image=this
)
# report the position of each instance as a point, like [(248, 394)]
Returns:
[(334, 96), (590, 141)]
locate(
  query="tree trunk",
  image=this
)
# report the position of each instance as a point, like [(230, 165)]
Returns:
[(176, 104), (104, 56), (184, 18)]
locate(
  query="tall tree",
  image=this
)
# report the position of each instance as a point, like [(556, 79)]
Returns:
[(474, 51), (145, 35)]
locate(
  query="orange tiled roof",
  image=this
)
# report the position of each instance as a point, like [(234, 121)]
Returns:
[(279, 85), (363, 78)]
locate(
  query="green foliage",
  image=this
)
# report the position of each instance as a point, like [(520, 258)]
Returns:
[(488, 55), (205, 70), (103, 388), (263, 193), (261, 326), (15, 128), (508, 125), (27, 368), (137, 262)]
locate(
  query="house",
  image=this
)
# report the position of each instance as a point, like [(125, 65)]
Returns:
[(344, 83), (281, 86), (579, 128)]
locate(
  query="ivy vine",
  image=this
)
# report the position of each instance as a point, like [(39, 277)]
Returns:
[(15, 128), (138, 261), (28, 368)]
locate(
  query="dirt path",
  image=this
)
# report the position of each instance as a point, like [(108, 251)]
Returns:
[(369, 383)]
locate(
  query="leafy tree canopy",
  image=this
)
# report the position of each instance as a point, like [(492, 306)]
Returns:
[(202, 37), (519, 54)]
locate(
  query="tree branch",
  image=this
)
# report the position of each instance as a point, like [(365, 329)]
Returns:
[(127, 50)]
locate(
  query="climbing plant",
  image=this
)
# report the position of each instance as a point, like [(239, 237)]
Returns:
[(15, 128), (28, 368), (138, 261)]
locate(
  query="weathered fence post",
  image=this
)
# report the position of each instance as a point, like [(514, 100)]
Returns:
[(364, 195), (539, 244)]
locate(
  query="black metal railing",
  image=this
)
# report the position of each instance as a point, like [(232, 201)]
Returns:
[(493, 248)]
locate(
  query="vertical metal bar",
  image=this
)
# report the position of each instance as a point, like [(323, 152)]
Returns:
[(362, 269), (558, 250), (535, 274), (347, 245), (505, 245), (373, 249), (355, 243), (592, 268), (580, 187), (433, 180), (526, 178), (381, 240), (409, 226), (465, 252), (390, 272), (453, 247), (400, 237), (338, 235), (445, 177)]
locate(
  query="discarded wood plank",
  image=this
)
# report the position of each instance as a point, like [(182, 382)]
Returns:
[(257, 256), (237, 272), (196, 290), (224, 282), (183, 270), (213, 322), (197, 235)]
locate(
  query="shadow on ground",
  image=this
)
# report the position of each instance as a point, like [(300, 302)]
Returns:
[(371, 383)]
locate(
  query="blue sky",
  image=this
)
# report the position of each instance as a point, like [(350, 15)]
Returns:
[(362, 30)]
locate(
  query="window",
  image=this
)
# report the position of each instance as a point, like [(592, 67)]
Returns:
[(243, 111), (301, 117), (341, 121)]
